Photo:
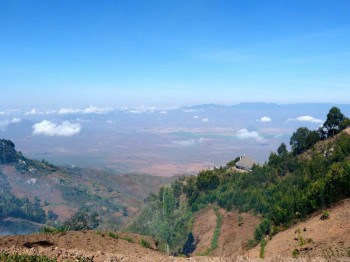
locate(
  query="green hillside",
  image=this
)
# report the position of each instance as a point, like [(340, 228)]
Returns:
[(286, 189)]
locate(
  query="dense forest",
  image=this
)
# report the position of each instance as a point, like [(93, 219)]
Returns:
[(287, 188)]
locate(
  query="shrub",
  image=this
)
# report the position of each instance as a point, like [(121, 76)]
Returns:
[(262, 248), (145, 243), (57, 230), (295, 253), (325, 215), (113, 235), (129, 239)]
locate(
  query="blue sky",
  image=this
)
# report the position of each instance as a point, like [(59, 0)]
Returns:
[(173, 53)]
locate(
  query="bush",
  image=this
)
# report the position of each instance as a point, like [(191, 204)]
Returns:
[(325, 215), (50, 230), (295, 253), (82, 221), (113, 235), (5, 257), (145, 243)]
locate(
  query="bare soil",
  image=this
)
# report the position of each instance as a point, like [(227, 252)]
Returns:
[(329, 238), (236, 229), (234, 232)]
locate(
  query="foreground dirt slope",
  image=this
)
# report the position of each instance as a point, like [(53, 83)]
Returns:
[(98, 247), (328, 238), (90, 245)]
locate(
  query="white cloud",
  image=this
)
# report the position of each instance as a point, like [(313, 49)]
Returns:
[(306, 119), (163, 112), (68, 111), (205, 120), (96, 110), (87, 110), (246, 134), (196, 117), (135, 111), (48, 128), (190, 142), (265, 119), (15, 120), (5, 123), (190, 110), (34, 111)]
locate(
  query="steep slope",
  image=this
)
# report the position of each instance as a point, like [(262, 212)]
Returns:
[(235, 231), (314, 237)]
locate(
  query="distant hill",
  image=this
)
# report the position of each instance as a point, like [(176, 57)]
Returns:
[(38, 191)]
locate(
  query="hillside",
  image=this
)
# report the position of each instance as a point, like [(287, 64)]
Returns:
[(314, 237), (62, 191), (190, 216)]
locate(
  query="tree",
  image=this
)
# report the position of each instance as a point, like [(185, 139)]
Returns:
[(282, 150), (207, 180), (334, 119), (345, 123), (302, 139), (82, 221), (168, 201)]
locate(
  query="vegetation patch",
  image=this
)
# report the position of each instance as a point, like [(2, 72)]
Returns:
[(145, 243), (325, 215), (262, 248), (113, 235), (51, 230), (295, 253), (5, 257)]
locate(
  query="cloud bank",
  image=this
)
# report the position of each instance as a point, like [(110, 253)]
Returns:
[(87, 110), (309, 119), (48, 128), (246, 134)]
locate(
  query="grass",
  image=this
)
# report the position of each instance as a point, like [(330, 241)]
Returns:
[(145, 243), (301, 240), (116, 236), (50, 230), (129, 239), (113, 235), (5, 257), (262, 248)]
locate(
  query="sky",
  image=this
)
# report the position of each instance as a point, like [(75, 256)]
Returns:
[(173, 53)]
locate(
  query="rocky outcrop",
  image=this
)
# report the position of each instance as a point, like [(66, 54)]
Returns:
[(8, 153)]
